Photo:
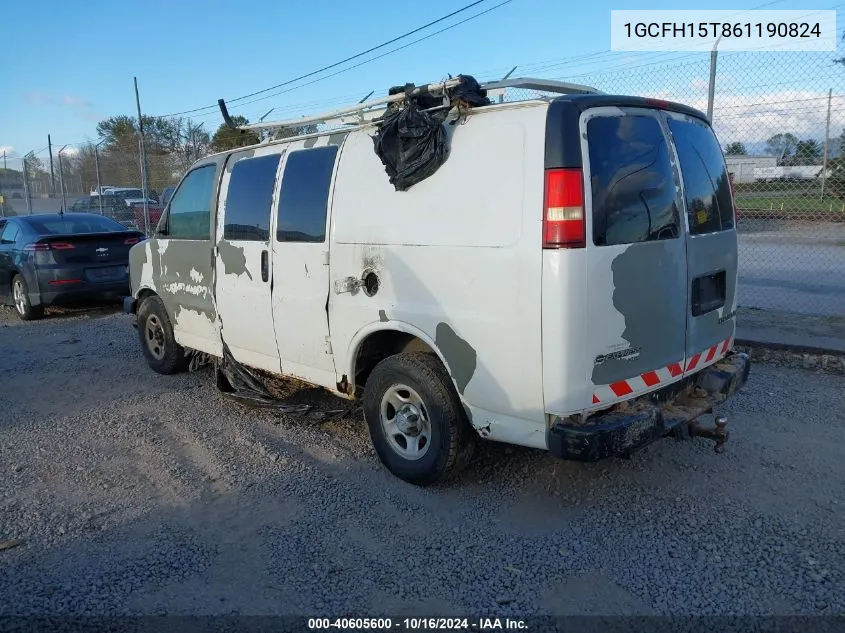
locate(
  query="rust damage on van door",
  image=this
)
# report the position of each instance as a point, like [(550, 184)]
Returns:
[(460, 355)]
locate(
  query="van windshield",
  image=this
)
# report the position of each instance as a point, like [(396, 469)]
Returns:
[(706, 185)]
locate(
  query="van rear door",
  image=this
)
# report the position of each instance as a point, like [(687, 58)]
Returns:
[(637, 275), (711, 241)]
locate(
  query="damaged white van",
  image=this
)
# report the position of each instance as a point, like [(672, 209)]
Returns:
[(558, 272)]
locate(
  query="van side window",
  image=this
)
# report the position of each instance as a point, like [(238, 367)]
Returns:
[(304, 197), (189, 215), (249, 198), (706, 183), (632, 181)]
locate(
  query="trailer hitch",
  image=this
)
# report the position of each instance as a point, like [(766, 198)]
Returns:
[(718, 433)]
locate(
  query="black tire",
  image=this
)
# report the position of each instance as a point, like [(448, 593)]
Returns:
[(26, 311), (451, 437), (164, 355)]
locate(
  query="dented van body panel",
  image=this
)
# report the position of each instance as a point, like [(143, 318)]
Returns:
[(463, 273)]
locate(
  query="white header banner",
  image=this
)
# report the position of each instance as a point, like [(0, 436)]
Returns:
[(735, 30)]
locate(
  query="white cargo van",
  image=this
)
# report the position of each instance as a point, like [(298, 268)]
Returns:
[(565, 280)]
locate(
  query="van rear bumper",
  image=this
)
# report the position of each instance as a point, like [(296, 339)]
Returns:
[(632, 424)]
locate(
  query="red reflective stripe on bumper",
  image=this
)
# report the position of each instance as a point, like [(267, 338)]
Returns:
[(693, 362), (711, 354), (675, 369), (621, 388), (595, 399), (650, 378)]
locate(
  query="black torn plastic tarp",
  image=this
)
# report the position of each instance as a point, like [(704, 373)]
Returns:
[(240, 383), (411, 140)]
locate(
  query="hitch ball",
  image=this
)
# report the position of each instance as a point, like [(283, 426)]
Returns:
[(718, 433)]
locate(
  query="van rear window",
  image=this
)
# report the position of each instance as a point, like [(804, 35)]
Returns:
[(631, 179), (706, 184)]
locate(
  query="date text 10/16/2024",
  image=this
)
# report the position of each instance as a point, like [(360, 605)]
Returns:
[(417, 624)]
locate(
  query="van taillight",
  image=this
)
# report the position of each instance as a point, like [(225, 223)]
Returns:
[(563, 223)]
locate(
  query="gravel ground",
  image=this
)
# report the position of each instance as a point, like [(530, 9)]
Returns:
[(135, 493)]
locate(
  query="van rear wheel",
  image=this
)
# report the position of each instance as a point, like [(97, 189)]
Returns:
[(417, 423), (164, 355)]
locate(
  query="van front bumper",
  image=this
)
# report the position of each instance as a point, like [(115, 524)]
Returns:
[(630, 425)]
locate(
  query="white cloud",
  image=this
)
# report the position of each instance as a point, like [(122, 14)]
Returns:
[(751, 118), (76, 101), (83, 108), (8, 149)]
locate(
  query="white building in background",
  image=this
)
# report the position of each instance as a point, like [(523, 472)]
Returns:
[(743, 167), (764, 168)]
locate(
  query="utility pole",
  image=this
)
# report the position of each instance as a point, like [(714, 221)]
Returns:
[(826, 140), (143, 161), (264, 133), (711, 88), (26, 191), (97, 167), (62, 177), (2, 198), (52, 176)]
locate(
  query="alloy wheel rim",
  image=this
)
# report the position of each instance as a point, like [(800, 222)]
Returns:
[(20, 298)]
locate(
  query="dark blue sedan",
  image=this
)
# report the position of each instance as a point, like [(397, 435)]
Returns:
[(52, 259)]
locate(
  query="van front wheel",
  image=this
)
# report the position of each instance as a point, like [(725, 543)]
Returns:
[(164, 355), (416, 420)]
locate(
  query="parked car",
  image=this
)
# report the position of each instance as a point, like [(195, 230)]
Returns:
[(102, 189), (132, 196), (565, 279), (112, 207), (48, 259), (154, 211)]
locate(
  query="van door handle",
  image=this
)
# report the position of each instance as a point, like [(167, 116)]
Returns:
[(265, 267)]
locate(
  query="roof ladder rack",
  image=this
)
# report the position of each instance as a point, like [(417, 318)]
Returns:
[(367, 111)]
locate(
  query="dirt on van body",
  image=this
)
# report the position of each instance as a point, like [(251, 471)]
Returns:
[(134, 493)]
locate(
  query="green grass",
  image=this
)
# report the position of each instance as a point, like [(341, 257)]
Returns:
[(792, 203)]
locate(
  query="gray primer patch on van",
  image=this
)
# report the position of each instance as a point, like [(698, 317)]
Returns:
[(459, 354), (337, 138), (137, 261), (646, 328), (233, 258), (177, 287), (382, 316), (310, 142)]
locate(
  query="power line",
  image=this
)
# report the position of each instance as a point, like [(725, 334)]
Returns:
[(371, 59), (335, 64)]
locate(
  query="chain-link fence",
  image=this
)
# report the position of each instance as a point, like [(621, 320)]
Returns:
[(779, 116)]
